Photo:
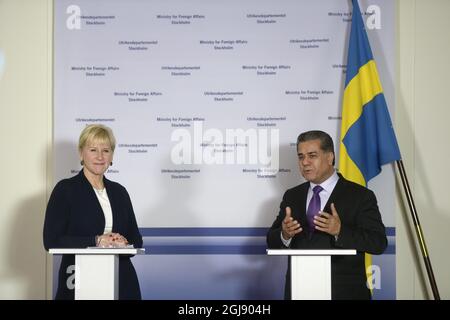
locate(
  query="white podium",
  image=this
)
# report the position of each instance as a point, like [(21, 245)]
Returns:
[(97, 271), (310, 271)]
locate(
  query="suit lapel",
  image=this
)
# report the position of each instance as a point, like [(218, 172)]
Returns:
[(303, 193), (93, 201), (336, 194)]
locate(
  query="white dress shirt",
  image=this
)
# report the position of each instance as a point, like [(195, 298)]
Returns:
[(102, 197)]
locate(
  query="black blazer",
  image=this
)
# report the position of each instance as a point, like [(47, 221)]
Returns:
[(74, 217), (361, 229)]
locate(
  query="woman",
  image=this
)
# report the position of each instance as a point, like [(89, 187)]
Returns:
[(90, 210)]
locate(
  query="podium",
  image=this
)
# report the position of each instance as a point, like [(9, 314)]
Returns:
[(310, 271), (97, 271)]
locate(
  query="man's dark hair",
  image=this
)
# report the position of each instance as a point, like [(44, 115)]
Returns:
[(326, 143)]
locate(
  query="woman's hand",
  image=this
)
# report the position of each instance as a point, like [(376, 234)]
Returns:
[(111, 240)]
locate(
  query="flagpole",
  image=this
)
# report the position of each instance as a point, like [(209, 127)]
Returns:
[(419, 233)]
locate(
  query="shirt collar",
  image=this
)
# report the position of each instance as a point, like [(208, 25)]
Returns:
[(328, 184)]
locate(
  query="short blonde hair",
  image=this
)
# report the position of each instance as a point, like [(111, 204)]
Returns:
[(97, 132)]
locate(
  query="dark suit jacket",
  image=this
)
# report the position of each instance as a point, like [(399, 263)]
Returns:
[(361, 229), (74, 217)]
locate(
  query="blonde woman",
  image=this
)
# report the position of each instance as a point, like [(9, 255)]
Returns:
[(90, 210)]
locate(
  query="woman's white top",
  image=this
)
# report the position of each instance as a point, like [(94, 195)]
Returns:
[(102, 197)]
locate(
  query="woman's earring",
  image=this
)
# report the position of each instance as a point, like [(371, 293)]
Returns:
[(111, 163), (82, 162)]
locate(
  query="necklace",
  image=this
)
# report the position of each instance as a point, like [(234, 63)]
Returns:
[(100, 191)]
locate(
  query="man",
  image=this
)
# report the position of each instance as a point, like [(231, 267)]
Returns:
[(329, 212)]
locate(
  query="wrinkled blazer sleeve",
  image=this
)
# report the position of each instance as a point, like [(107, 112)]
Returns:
[(367, 233), (57, 219), (133, 235), (273, 237)]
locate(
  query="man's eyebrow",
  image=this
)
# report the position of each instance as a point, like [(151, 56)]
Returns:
[(312, 152)]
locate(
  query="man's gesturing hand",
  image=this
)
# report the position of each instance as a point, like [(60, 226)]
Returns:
[(290, 227), (329, 223)]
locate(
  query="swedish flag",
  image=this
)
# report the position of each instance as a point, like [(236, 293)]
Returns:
[(367, 138)]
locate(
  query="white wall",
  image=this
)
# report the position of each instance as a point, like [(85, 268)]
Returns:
[(25, 135), (422, 114), (26, 126)]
